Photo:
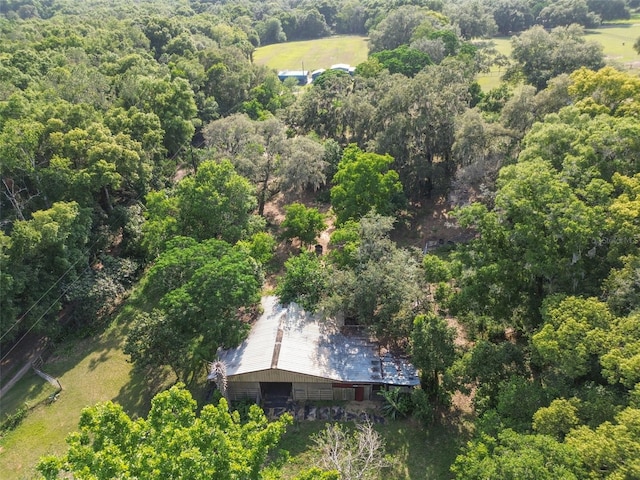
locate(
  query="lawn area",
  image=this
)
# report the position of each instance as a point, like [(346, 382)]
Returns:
[(493, 78), (90, 371), (314, 54), (617, 40), (418, 453)]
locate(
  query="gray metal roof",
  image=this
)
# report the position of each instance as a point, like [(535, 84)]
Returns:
[(288, 338)]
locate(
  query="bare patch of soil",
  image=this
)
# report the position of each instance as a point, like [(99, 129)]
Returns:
[(275, 214), (429, 224)]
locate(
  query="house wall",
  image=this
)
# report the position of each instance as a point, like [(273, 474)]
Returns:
[(312, 391), (348, 391), (275, 375), (304, 387), (244, 390)]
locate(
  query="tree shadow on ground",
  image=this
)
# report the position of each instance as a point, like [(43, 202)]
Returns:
[(422, 452), (136, 395)]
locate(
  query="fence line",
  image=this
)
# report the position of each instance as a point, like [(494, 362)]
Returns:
[(52, 380)]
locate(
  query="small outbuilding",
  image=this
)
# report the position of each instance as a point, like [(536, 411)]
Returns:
[(301, 76), (344, 67), (316, 73), (292, 354)]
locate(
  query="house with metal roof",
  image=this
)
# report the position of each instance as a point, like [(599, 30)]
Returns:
[(290, 353)]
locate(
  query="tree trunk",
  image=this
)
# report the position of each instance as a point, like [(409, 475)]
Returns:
[(10, 194), (262, 197), (107, 199)]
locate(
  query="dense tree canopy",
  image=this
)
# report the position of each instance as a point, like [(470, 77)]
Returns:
[(215, 203), (49, 247), (262, 152), (541, 56), (372, 281), (142, 137)]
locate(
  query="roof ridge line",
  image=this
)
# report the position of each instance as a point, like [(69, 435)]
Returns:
[(278, 344)]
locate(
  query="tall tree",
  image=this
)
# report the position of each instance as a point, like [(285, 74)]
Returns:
[(199, 290), (173, 441), (473, 18), (215, 203), (432, 350), (567, 12), (261, 151), (530, 245), (302, 223), (172, 100), (304, 281), (415, 124), (375, 283), (397, 28), (540, 56), (512, 16), (364, 182), (574, 333)]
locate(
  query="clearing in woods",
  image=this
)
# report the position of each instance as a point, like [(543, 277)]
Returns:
[(314, 54)]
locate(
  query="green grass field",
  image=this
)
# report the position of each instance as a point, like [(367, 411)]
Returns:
[(616, 39), (314, 54)]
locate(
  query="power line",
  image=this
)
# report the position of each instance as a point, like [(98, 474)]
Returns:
[(55, 283), (43, 295), (48, 290), (41, 316)]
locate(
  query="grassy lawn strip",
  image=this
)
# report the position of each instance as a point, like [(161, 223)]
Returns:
[(29, 392), (617, 41), (321, 53), (418, 453)]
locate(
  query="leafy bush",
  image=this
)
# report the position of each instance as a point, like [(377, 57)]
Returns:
[(12, 421), (304, 281), (98, 292), (397, 403), (422, 408)]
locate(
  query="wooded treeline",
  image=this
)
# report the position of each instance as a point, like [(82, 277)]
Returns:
[(139, 141), (286, 20)]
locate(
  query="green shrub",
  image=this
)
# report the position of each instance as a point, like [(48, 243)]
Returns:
[(12, 421)]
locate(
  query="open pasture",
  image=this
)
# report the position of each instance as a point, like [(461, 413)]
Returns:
[(617, 41), (313, 54)]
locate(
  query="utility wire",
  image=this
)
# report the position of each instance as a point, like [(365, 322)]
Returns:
[(42, 316), (43, 295), (182, 147)]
